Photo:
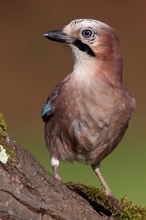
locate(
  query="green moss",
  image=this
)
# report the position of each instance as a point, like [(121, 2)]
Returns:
[(128, 211), (95, 196), (3, 126), (3, 133), (131, 211)]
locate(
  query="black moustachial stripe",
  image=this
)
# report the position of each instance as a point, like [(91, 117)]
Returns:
[(84, 47)]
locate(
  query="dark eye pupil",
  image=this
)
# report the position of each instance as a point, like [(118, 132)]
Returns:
[(87, 33)]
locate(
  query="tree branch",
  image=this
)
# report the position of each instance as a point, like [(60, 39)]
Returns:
[(27, 191)]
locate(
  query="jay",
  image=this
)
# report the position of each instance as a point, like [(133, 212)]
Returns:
[(88, 112)]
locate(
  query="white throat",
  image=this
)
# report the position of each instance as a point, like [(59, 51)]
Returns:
[(84, 66)]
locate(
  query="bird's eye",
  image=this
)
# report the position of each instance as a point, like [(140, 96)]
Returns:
[(87, 33)]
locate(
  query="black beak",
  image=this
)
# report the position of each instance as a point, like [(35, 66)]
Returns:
[(58, 36)]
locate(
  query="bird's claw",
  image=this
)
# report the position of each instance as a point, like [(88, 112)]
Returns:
[(58, 177), (113, 201)]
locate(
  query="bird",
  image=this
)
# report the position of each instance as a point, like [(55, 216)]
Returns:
[(88, 112)]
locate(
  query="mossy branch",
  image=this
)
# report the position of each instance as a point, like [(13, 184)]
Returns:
[(27, 191)]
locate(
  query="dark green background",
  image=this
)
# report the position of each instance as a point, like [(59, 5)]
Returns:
[(31, 66)]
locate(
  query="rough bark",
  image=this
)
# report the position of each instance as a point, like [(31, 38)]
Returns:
[(27, 191)]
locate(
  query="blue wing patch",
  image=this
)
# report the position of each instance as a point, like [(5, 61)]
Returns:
[(47, 110)]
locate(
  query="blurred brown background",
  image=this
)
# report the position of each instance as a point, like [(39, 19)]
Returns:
[(31, 66)]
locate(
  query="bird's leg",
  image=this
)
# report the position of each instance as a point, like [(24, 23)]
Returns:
[(96, 169), (55, 164), (108, 191)]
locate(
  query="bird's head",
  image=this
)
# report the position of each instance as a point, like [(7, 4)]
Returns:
[(91, 41)]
